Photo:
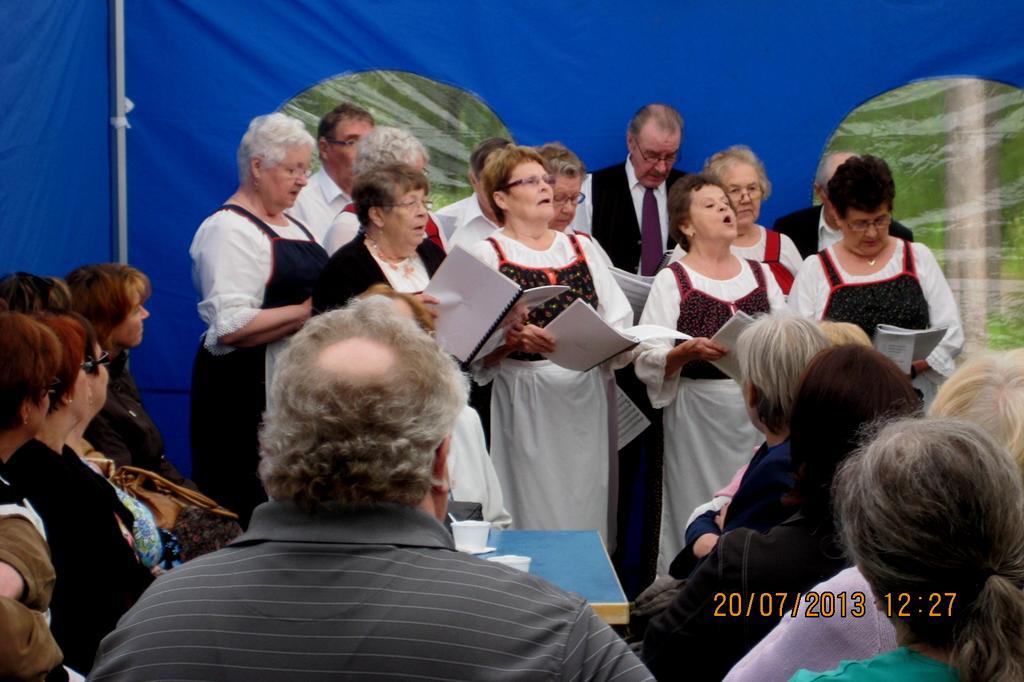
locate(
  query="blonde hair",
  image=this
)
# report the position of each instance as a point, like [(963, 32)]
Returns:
[(720, 163), (988, 390), (498, 169), (844, 333)]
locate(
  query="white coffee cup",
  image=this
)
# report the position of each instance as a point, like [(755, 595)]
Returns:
[(520, 562), (470, 534)]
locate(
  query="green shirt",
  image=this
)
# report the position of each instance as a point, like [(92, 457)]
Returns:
[(901, 664)]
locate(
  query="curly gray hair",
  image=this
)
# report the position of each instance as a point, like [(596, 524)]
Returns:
[(387, 145), (358, 429), (269, 137)]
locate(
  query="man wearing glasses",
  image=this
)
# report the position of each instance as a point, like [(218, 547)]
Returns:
[(626, 205), (329, 190), (816, 228)]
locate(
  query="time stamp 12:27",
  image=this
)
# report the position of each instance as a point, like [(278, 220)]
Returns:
[(831, 604)]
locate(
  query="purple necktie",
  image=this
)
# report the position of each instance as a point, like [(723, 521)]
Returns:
[(652, 248)]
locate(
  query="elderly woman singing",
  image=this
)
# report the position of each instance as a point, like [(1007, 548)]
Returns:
[(254, 268)]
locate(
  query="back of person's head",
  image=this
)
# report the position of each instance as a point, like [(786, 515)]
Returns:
[(842, 333), (932, 512), (843, 393), (106, 293), (988, 390), (862, 182), (773, 353), (388, 145), (77, 340), (416, 308), (28, 293), (361, 400), (478, 159), (31, 357)]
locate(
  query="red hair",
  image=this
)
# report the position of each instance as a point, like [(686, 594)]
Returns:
[(31, 354), (106, 293)]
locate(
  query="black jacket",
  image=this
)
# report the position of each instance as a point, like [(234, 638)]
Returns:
[(707, 630), (802, 227), (352, 270), (124, 432), (615, 225)]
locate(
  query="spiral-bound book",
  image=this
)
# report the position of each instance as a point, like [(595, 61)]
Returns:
[(476, 303)]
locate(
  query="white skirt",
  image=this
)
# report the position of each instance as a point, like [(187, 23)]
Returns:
[(708, 436), (549, 444)]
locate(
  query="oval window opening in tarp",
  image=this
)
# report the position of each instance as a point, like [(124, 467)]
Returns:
[(956, 149), (449, 121)]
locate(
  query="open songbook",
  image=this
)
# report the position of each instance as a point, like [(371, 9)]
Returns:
[(903, 346), (584, 340), (726, 336), (477, 303)]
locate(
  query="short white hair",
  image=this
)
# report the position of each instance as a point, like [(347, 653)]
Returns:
[(387, 145), (773, 354), (270, 137)]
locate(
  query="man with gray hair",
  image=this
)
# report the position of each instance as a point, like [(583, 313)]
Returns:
[(816, 228), (347, 570), (383, 146), (626, 204)]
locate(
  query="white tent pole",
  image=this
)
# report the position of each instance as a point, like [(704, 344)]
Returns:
[(119, 122)]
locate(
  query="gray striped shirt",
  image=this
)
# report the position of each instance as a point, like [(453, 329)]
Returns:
[(367, 594)]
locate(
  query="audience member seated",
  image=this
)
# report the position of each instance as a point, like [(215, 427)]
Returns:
[(816, 228), (704, 632), (932, 513), (549, 425), (87, 527), (471, 473), (356, 576), (32, 356), (870, 278), (112, 297), (707, 433), (988, 391), (384, 146), (254, 269), (28, 293), (472, 219), (840, 333), (773, 354), (746, 182), (330, 189), (393, 210)]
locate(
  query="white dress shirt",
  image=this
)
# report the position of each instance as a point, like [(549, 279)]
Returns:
[(470, 225), (585, 213), (319, 204), (826, 235)]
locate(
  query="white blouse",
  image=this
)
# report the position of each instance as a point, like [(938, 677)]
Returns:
[(810, 292), (612, 304), (231, 262), (663, 309), (789, 255)]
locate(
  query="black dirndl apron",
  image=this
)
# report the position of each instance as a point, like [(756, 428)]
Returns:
[(229, 391)]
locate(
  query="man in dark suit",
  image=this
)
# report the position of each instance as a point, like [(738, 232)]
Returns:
[(815, 228), (626, 204)]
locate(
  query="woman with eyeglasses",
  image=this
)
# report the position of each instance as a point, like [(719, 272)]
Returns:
[(569, 172), (549, 425), (112, 296), (393, 208), (87, 527), (870, 278), (746, 183), (254, 268)]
